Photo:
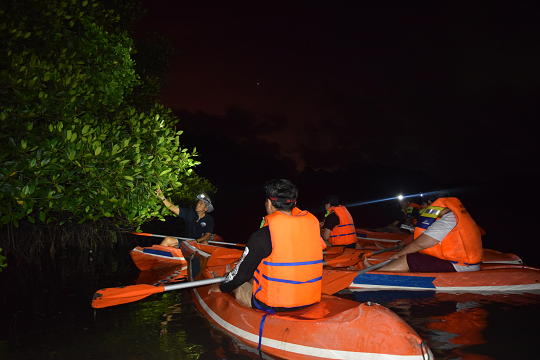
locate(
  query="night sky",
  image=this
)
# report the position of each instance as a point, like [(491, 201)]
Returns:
[(440, 92)]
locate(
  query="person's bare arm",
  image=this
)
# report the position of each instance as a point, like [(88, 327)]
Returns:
[(326, 234), (167, 203), (420, 243), (204, 239)]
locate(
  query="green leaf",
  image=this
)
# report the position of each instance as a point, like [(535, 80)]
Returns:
[(98, 151), (42, 216), (85, 129), (128, 178)]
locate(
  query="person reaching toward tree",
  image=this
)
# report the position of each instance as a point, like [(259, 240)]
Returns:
[(199, 224)]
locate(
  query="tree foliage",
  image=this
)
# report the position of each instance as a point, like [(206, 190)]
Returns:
[(74, 139)]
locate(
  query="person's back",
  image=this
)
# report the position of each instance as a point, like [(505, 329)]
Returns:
[(462, 244), (284, 257), (338, 226), (291, 275)]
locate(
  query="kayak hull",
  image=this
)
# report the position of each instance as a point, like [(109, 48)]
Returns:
[(335, 328), (491, 278), (157, 256)]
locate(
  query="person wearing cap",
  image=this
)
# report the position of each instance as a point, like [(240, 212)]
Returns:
[(281, 267), (408, 215), (337, 228), (199, 224)]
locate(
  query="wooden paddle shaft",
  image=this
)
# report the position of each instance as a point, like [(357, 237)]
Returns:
[(191, 284)]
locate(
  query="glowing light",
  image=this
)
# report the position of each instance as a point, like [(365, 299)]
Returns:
[(400, 197)]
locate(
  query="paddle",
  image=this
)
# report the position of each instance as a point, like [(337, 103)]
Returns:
[(368, 238), (345, 260), (351, 259), (333, 250), (339, 280), (183, 238), (116, 296)]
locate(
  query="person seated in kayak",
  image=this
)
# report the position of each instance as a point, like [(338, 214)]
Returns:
[(426, 202), (451, 243), (283, 259), (337, 228), (407, 216), (199, 224)]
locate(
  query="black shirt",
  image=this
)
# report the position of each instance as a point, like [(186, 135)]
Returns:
[(331, 221), (258, 247), (195, 227)]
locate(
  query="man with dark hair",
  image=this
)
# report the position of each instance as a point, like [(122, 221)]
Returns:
[(199, 225), (284, 257), (337, 228)]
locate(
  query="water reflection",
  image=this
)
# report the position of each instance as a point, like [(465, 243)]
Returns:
[(456, 325), (46, 314)]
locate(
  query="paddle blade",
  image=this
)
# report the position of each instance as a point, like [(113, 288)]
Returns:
[(345, 259), (337, 281), (122, 295)]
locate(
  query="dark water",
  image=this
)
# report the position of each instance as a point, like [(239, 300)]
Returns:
[(47, 315)]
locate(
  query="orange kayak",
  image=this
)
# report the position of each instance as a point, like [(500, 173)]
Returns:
[(490, 257), (368, 237), (157, 256), (490, 278), (335, 328)]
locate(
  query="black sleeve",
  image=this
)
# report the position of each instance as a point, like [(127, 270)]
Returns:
[(331, 221), (415, 213), (258, 247)]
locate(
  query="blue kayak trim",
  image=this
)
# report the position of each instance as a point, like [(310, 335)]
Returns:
[(157, 252), (421, 282)]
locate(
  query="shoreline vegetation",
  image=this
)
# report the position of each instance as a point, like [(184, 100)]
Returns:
[(84, 141)]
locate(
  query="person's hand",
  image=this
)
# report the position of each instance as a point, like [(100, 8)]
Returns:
[(159, 193), (394, 257), (214, 287), (321, 224)]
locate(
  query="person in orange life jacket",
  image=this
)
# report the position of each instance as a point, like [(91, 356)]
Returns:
[(426, 202), (199, 225), (451, 243), (283, 259), (337, 228), (407, 215)]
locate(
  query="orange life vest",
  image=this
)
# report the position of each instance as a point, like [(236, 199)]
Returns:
[(291, 275), (463, 245), (345, 232)]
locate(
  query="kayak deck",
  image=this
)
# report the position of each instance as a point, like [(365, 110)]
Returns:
[(491, 278), (335, 328)]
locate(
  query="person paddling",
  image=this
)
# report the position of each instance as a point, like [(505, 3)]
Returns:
[(199, 224), (446, 239)]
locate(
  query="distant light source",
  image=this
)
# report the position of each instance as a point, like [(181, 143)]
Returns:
[(400, 197)]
